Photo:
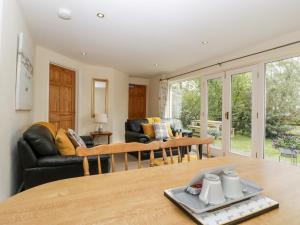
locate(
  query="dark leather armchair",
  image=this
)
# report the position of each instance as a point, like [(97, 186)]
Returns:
[(42, 163)]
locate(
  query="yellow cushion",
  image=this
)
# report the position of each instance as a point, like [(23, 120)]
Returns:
[(169, 130), (154, 119), (63, 143), (150, 120), (148, 130), (50, 127), (157, 119)]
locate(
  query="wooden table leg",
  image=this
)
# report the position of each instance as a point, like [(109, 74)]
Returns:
[(200, 151)]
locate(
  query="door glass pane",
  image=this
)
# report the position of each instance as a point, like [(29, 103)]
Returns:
[(185, 104), (282, 109), (241, 108), (214, 123)]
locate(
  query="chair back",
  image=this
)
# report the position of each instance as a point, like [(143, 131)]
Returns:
[(113, 149), (187, 143)]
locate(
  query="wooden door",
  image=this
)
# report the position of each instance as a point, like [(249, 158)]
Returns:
[(62, 97), (137, 102)]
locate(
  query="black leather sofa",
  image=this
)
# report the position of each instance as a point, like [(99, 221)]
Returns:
[(42, 163), (134, 133)]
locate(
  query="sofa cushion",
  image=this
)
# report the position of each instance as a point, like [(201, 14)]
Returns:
[(170, 132), (169, 121), (135, 125), (75, 139), (40, 140), (154, 120), (63, 143), (148, 130), (161, 131), (175, 124)]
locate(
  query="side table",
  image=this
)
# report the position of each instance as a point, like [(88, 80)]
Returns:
[(102, 133)]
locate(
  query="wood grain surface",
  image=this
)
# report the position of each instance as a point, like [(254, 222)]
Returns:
[(136, 196)]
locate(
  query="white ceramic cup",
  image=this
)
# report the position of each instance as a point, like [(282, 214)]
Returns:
[(232, 185), (212, 192)]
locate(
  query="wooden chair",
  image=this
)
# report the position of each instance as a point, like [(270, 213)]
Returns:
[(113, 149), (184, 142)]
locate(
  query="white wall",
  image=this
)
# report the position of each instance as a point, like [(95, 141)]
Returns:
[(253, 60), (146, 82), (117, 92), (154, 99), (12, 123)]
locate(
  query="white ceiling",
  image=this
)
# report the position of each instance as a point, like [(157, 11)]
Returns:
[(137, 34)]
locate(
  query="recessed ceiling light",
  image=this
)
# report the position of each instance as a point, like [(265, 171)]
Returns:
[(204, 42), (100, 15), (64, 14), (83, 53)]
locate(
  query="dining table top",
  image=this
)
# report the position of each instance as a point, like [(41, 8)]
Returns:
[(137, 196)]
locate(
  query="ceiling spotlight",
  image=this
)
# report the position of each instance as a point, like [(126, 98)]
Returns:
[(100, 15), (83, 53), (204, 42), (64, 14)]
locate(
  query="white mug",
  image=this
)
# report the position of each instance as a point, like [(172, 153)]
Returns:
[(212, 192), (232, 185)]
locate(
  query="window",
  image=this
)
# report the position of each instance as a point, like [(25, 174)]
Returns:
[(282, 126), (185, 101)]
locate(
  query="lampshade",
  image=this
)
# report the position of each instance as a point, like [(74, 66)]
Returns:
[(101, 118)]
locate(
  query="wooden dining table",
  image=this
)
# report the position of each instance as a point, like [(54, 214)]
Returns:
[(137, 196)]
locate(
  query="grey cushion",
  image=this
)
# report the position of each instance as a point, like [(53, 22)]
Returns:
[(161, 131), (75, 139)]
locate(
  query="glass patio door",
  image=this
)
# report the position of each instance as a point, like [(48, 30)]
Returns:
[(240, 111), (213, 115), (230, 111)]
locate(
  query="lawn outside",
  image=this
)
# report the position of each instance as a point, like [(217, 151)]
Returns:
[(242, 145)]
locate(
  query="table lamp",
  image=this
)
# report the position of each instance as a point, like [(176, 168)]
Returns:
[(101, 118)]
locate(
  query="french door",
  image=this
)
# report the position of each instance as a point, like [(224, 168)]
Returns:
[(212, 117), (231, 112)]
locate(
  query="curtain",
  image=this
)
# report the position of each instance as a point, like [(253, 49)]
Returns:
[(163, 98)]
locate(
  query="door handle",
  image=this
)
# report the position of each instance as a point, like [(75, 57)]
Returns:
[(227, 115)]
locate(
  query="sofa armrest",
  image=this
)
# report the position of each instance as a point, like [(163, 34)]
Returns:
[(88, 140), (26, 154), (131, 136)]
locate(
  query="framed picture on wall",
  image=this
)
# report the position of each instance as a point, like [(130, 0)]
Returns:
[(24, 77)]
